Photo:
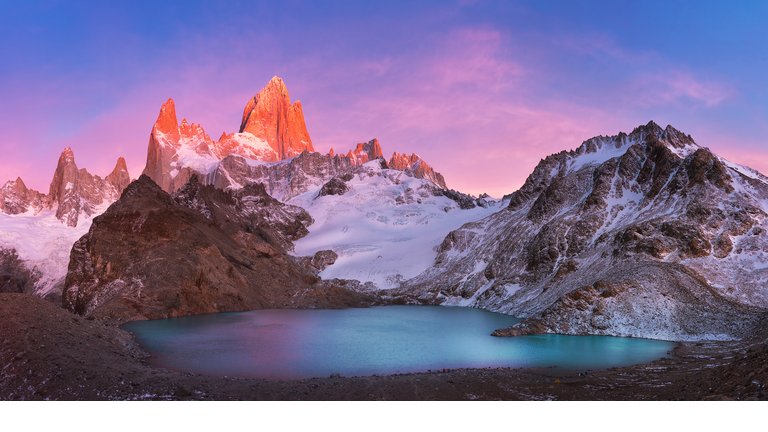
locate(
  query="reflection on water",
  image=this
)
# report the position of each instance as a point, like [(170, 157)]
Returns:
[(289, 343)]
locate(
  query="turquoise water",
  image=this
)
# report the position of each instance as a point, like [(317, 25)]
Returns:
[(289, 343)]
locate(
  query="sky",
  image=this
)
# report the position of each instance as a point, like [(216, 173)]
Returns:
[(481, 90)]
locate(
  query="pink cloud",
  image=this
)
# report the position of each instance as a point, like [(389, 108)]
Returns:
[(471, 56), (674, 86)]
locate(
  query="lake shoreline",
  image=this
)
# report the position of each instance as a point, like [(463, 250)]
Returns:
[(48, 353)]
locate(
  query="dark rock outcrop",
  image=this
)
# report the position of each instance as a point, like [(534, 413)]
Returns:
[(148, 256), (15, 277), (250, 209), (335, 186)]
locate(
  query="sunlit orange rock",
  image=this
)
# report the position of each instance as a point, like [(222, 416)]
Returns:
[(270, 116), (165, 133)]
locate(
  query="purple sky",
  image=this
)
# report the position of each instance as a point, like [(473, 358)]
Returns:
[(481, 90)]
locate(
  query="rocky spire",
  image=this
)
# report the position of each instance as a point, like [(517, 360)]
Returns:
[(65, 177), (63, 189), (75, 191), (166, 121), (270, 116), (119, 177), (165, 134)]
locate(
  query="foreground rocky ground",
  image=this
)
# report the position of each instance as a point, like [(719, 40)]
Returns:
[(47, 353)]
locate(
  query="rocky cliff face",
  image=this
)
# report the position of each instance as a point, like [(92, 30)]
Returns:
[(151, 255), (250, 208), (15, 276), (645, 234), (271, 117)]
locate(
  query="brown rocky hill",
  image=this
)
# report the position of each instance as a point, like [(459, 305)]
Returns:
[(152, 256), (645, 235)]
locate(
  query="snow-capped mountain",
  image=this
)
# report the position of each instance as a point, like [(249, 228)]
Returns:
[(40, 229), (645, 234)]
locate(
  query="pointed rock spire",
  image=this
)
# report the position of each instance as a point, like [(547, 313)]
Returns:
[(166, 121), (163, 141), (64, 187), (119, 177), (66, 174), (270, 116)]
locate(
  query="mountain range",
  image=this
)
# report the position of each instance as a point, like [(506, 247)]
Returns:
[(643, 234)]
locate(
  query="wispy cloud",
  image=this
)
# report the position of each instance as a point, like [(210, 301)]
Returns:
[(675, 86)]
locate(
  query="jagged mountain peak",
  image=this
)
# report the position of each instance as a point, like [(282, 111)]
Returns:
[(271, 117), (648, 145), (669, 136)]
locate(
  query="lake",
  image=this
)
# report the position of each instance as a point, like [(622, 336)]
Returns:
[(291, 343)]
